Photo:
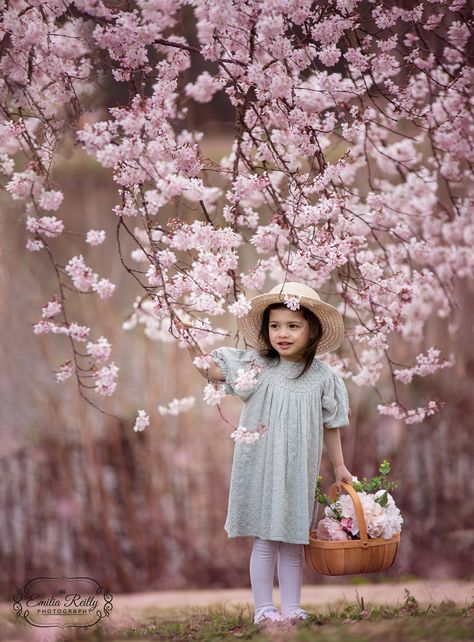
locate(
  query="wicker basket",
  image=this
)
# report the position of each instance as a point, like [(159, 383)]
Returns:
[(364, 555)]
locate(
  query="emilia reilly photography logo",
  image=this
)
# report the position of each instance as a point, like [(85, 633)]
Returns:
[(62, 601)]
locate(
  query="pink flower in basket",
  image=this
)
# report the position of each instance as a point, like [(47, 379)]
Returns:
[(329, 529)]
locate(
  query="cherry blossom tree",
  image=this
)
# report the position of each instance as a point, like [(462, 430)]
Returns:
[(350, 168)]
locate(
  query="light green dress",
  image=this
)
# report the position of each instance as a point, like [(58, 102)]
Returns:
[(273, 480)]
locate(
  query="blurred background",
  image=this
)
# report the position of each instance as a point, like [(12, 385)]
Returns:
[(82, 494)]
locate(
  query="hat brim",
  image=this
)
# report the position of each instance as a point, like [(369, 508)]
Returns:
[(330, 318)]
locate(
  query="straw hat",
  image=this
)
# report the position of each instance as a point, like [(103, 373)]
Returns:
[(330, 318)]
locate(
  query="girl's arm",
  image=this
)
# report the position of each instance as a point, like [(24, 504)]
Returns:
[(332, 443), (213, 372)]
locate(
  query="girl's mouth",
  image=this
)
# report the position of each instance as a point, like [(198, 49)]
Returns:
[(284, 345)]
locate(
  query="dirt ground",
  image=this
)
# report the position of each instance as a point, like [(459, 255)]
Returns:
[(132, 606), (425, 591)]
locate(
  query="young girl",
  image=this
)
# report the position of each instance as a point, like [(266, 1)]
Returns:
[(300, 403)]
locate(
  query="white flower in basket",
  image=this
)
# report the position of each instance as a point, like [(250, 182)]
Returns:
[(382, 517)]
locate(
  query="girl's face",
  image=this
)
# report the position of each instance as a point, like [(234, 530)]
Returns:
[(288, 331)]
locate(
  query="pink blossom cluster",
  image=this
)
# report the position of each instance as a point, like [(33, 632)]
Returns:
[(78, 332), (47, 225), (412, 415), (142, 421), (426, 364), (203, 361), (45, 326), (247, 436), (74, 330), (177, 406), (369, 367), (152, 314), (240, 307), (85, 280), (34, 245), (50, 200), (95, 237), (23, 185), (247, 377), (105, 379), (100, 350), (202, 90), (214, 394), (51, 309), (64, 372)]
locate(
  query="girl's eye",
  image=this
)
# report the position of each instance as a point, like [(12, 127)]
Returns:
[(291, 326)]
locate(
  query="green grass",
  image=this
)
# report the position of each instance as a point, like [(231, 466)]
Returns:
[(354, 622)]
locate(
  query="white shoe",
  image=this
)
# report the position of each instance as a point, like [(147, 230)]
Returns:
[(267, 613), (297, 614)]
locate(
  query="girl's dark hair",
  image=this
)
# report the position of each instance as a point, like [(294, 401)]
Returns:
[(315, 332)]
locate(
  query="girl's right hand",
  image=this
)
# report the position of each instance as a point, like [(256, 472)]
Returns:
[(342, 474), (213, 372)]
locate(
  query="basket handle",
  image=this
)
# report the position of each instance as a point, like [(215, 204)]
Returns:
[(358, 509)]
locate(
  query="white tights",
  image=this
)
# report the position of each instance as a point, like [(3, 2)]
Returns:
[(290, 574)]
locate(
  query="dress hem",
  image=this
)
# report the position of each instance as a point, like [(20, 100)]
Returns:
[(272, 538)]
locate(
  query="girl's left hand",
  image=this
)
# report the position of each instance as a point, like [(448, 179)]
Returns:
[(342, 475)]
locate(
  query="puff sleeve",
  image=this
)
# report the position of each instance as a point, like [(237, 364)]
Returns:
[(230, 361), (335, 401)]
